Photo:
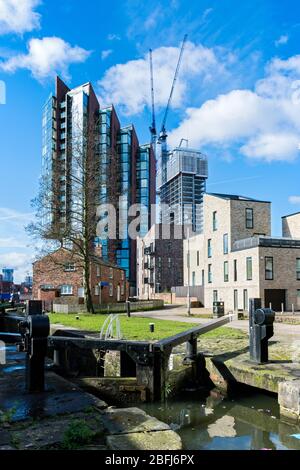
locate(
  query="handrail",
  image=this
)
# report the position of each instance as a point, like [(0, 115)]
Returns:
[(175, 340)]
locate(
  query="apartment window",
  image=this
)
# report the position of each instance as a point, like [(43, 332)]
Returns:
[(225, 243), (209, 273), (47, 286), (98, 271), (298, 269), (97, 290), (111, 289), (215, 225), (226, 275), (235, 270), (209, 251), (249, 218), (159, 262), (269, 272), (122, 288), (198, 258), (215, 296), (245, 295), (169, 262), (235, 299), (111, 273), (66, 289), (203, 277), (249, 268), (193, 278), (122, 275), (69, 267)]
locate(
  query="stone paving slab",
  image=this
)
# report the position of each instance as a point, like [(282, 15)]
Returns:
[(51, 432), (159, 440), (130, 420), (41, 420)]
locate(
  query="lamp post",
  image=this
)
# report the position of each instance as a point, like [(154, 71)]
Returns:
[(189, 269)]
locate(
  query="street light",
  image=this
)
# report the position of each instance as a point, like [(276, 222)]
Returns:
[(189, 269)]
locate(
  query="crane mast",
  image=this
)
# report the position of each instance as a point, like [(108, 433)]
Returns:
[(163, 133), (152, 128)]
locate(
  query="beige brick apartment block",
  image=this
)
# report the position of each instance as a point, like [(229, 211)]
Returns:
[(253, 264)]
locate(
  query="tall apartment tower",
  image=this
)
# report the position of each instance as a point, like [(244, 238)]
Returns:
[(181, 185), (7, 275), (126, 169)]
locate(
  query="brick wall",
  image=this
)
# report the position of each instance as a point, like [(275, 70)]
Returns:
[(50, 271)]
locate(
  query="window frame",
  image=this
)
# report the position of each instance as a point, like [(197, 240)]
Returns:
[(225, 245), (209, 274), (297, 270), (247, 218), (248, 278), (209, 248), (66, 293), (235, 270), (226, 271), (214, 221), (268, 258)]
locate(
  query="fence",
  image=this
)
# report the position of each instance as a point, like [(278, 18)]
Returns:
[(118, 308)]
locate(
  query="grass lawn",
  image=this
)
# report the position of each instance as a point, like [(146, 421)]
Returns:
[(137, 328)]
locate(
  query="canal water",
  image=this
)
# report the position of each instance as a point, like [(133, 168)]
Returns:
[(248, 421)]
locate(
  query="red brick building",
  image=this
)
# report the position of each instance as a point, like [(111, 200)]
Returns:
[(60, 274)]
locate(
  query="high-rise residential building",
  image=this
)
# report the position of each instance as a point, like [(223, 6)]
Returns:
[(8, 275), (126, 173), (181, 184)]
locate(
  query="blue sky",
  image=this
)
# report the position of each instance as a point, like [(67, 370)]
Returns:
[(237, 97)]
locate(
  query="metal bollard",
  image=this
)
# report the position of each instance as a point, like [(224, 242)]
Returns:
[(261, 330), (128, 310), (35, 330)]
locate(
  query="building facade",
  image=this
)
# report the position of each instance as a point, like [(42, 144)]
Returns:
[(159, 260), (60, 274), (236, 258), (291, 225), (124, 170), (181, 185)]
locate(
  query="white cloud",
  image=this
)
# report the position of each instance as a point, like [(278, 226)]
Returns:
[(205, 14), (152, 19), (281, 40), (264, 123), (20, 262), (16, 249), (113, 37), (294, 200), (106, 53), (127, 85), (46, 57), (18, 16)]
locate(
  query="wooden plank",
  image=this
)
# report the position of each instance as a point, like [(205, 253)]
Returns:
[(93, 343), (197, 331)]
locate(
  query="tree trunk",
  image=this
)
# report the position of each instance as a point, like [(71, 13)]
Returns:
[(87, 288)]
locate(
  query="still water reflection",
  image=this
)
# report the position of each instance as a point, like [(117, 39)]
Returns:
[(249, 421)]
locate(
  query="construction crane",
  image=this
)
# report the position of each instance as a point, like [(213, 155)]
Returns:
[(152, 128), (163, 133)]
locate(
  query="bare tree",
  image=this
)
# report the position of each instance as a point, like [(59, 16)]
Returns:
[(69, 195)]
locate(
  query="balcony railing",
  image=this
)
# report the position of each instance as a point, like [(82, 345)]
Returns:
[(271, 242)]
